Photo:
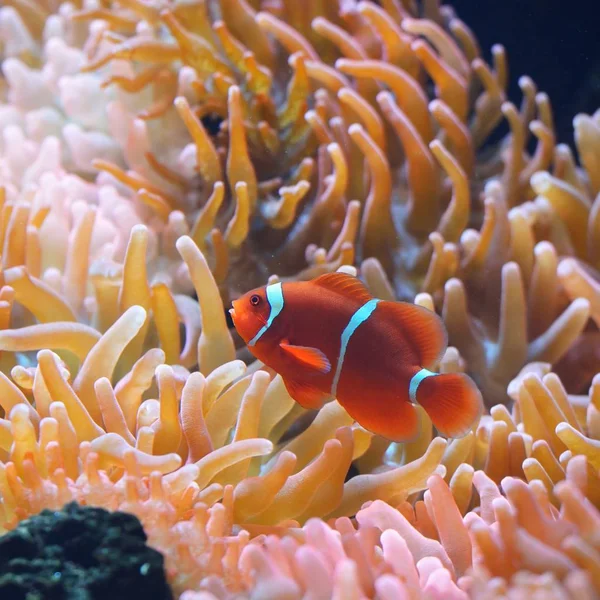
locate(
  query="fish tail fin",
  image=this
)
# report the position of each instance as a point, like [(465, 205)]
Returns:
[(451, 400)]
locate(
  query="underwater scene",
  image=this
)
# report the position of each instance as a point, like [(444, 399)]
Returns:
[(299, 300)]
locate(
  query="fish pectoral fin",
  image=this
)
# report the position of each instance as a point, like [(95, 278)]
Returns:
[(306, 395), (308, 357)]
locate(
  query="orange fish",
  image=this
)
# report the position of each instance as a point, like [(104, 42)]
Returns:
[(329, 338)]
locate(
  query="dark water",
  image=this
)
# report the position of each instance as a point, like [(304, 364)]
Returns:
[(555, 42)]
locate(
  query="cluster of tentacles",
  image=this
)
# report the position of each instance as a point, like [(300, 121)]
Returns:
[(158, 159)]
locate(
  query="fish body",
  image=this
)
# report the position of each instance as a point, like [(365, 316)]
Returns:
[(329, 338)]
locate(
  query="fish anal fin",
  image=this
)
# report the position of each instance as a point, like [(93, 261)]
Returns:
[(306, 395), (345, 285), (308, 357), (424, 330), (452, 401), (394, 418)]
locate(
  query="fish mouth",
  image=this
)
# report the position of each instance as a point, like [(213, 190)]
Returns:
[(232, 312)]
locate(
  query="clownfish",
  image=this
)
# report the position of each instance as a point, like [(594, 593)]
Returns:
[(329, 338)]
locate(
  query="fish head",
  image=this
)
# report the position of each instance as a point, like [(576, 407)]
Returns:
[(250, 313)]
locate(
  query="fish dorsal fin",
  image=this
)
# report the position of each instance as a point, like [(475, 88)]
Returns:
[(423, 329), (345, 285), (308, 357)]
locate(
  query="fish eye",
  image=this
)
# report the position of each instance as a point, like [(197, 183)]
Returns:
[(255, 300)]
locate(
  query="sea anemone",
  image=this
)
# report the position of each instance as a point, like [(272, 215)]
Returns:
[(159, 159)]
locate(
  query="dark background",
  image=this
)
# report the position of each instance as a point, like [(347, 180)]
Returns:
[(555, 42)]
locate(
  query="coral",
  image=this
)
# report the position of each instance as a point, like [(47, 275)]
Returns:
[(158, 159), (80, 552)]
